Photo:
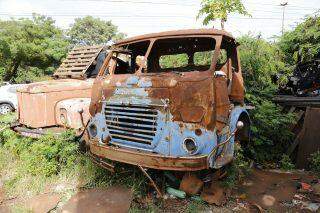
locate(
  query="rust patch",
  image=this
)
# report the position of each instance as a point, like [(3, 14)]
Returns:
[(191, 184)]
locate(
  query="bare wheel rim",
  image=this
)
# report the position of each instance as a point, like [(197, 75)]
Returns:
[(5, 109)]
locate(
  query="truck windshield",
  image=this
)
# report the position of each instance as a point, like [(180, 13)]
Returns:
[(181, 54)]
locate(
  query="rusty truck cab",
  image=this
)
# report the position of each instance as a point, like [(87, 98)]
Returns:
[(169, 101)]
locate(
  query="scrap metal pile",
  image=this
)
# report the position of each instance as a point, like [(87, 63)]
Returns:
[(303, 87), (305, 80)]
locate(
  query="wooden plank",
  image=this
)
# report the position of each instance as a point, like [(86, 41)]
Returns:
[(86, 47), (310, 139), (84, 60), (295, 143), (83, 52), (74, 64), (80, 56), (72, 68)]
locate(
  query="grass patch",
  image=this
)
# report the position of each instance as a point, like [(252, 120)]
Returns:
[(54, 163), (196, 206)]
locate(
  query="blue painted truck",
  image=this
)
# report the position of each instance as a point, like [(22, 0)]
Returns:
[(172, 101)]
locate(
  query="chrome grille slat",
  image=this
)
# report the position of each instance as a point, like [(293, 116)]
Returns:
[(131, 118), (131, 129), (133, 114), (129, 124), (132, 123), (130, 108), (131, 133), (129, 137)]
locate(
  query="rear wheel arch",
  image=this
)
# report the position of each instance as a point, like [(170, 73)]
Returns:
[(243, 135)]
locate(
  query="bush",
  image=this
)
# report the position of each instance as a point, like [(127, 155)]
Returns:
[(46, 156), (260, 61), (286, 163), (315, 162)]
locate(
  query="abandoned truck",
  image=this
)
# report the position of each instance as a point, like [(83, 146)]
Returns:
[(170, 101), (63, 102)]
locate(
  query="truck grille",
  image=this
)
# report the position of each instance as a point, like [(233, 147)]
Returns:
[(131, 123)]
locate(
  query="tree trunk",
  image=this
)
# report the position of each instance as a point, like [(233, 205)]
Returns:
[(222, 23), (13, 71)]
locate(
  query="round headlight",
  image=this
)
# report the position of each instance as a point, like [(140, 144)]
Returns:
[(190, 145), (93, 130)]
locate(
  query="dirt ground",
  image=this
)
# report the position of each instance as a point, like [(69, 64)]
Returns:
[(272, 191)]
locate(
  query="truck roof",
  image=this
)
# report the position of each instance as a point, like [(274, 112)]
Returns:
[(187, 32)]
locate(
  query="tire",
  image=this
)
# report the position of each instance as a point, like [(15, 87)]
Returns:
[(5, 109)]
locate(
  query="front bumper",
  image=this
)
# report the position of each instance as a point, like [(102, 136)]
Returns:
[(148, 159)]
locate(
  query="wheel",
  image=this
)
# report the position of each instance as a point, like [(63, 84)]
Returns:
[(5, 109)]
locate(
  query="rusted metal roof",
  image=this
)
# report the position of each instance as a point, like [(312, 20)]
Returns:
[(175, 33), (78, 61)]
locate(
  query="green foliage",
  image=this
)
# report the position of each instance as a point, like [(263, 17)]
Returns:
[(33, 48), (315, 162), (30, 48), (29, 165), (261, 60), (285, 163), (173, 61), (90, 31), (196, 206), (220, 9), (304, 39), (45, 156)]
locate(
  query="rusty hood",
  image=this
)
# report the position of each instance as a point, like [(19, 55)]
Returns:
[(56, 86), (189, 95)]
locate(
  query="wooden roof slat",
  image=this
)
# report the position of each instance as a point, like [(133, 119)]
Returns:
[(78, 60)]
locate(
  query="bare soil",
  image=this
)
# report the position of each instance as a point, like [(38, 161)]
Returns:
[(261, 191)]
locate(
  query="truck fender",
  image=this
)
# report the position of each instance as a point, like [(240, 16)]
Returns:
[(73, 113), (237, 114)]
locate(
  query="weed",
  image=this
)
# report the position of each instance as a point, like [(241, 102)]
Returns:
[(315, 162), (196, 206), (285, 163)]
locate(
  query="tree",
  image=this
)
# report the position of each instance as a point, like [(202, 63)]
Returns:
[(91, 31), (30, 47), (303, 42), (220, 9)]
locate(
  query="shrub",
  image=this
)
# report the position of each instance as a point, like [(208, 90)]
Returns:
[(286, 163), (260, 61), (315, 162)]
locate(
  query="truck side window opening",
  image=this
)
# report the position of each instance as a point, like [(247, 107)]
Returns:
[(126, 60)]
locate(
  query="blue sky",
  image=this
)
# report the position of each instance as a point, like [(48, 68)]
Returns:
[(144, 16)]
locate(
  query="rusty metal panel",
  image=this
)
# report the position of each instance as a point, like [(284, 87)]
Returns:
[(150, 160), (78, 61), (37, 101)]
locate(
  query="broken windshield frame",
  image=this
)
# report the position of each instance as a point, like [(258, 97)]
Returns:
[(142, 68)]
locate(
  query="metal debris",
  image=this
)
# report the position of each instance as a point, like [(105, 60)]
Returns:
[(191, 184)]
